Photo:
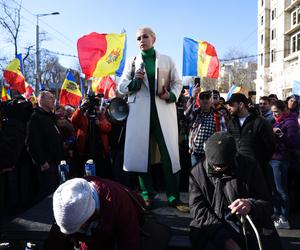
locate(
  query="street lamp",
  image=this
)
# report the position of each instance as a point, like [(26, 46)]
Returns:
[(38, 74)]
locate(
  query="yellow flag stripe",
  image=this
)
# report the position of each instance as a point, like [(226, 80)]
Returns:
[(203, 59), (14, 66), (110, 62), (71, 87)]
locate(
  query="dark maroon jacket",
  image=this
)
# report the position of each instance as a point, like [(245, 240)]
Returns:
[(289, 126), (119, 222)]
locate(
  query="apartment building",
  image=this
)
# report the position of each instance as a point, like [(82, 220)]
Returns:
[(278, 63)]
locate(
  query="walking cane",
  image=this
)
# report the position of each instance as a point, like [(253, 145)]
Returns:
[(243, 221)]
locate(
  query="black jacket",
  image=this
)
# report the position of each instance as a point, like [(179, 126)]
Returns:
[(12, 138), (44, 140), (254, 139), (210, 196)]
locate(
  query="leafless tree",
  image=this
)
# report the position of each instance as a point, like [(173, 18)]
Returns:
[(10, 20), (238, 68)]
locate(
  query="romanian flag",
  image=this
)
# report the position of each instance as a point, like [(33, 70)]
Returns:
[(199, 59), (102, 54), (105, 86), (4, 95), (14, 76), (70, 93)]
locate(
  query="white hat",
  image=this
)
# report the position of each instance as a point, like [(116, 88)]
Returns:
[(73, 205)]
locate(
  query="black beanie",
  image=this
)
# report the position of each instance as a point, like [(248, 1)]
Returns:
[(220, 149)]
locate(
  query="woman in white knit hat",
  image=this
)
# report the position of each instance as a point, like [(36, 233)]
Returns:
[(94, 213)]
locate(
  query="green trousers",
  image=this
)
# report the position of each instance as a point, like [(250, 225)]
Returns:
[(171, 180)]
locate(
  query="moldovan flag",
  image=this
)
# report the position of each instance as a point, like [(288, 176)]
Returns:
[(199, 59), (104, 84), (102, 54), (4, 95), (70, 93), (14, 76)]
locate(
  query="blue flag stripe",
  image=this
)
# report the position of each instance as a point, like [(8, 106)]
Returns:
[(190, 57)]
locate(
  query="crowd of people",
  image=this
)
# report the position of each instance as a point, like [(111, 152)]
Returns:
[(242, 159)]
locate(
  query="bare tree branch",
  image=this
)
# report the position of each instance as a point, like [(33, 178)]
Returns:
[(10, 20), (27, 52)]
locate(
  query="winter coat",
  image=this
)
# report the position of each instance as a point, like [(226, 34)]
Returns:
[(119, 221), (44, 141), (285, 144), (138, 121), (12, 138), (81, 123), (254, 139), (210, 195)]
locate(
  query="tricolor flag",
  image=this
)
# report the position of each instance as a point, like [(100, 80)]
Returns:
[(70, 93), (199, 59), (102, 54), (14, 76), (28, 90), (233, 90), (4, 95), (105, 86)]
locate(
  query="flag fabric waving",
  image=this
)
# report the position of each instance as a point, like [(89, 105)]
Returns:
[(98, 86), (13, 75), (28, 91), (4, 95), (70, 93), (233, 90), (102, 54), (199, 59)]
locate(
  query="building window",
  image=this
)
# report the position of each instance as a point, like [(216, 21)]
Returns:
[(273, 55), (261, 59), (295, 17), (273, 14), (262, 2), (293, 45), (295, 42), (273, 34), (262, 20), (262, 39)]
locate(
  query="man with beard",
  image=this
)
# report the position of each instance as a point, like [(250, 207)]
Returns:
[(252, 133), (265, 109)]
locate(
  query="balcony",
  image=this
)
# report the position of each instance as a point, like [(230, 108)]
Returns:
[(292, 5), (291, 57), (293, 29)]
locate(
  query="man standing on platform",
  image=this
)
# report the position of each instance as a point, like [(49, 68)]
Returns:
[(45, 143)]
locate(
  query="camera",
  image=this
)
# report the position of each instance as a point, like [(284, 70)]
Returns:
[(94, 102)]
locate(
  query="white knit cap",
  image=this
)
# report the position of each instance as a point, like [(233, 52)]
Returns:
[(73, 205)]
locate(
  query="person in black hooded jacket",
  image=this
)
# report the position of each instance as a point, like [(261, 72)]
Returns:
[(222, 188)]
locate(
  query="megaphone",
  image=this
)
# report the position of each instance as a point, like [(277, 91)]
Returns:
[(117, 110)]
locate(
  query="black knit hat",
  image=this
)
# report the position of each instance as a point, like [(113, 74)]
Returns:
[(220, 149)]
